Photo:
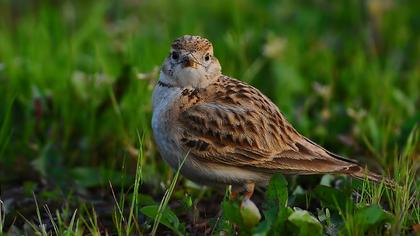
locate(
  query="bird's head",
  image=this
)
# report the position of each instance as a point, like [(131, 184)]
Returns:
[(190, 63)]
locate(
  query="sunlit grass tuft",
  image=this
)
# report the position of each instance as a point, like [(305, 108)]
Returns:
[(398, 200)]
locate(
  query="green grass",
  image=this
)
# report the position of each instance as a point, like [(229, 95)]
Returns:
[(75, 93)]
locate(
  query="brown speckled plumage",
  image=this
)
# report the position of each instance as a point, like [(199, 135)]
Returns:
[(192, 44), (233, 133), (242, 127)]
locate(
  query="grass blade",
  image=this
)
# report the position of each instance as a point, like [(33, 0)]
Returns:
[(167, 196)]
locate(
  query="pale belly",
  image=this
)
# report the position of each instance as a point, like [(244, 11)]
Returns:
[(165, 133)]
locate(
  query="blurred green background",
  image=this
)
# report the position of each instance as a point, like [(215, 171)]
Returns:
[(76, 79)]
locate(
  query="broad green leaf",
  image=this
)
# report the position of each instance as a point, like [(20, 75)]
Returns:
[(262, 228), (277, 190), (333, 198), (145, 200), (50, 165), (326, 180), (276, 211), (94, 176), (367, 217), (87, 177), (231, 212), (169, 219), (307, 224)]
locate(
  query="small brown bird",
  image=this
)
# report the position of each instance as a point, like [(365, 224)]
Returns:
[(233, 134)]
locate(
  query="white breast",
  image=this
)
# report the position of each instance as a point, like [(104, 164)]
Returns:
[(163, 130)]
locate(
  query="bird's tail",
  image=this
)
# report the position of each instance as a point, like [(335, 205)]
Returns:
[(363, 174)]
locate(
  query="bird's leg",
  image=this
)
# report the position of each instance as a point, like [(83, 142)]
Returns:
[(249, 190), (249, 211), (234, 192), (233, 195)]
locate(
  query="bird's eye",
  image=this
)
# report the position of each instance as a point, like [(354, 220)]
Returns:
[(207, 57), (175, 55)]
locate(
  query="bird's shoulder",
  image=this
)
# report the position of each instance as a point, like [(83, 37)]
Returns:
[(231, 112)]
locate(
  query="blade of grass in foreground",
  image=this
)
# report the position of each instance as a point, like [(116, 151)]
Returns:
[(5, 127), (2, 218), (137, 182), (167, 196)]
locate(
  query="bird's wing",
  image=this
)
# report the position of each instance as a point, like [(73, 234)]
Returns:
[(238, 126)]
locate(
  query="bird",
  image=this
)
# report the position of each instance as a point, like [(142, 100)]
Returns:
[(225, 132)]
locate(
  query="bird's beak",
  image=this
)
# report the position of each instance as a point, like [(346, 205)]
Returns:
[(189, 62)]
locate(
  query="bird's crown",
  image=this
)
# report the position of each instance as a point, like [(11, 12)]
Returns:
[(192, 43)]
